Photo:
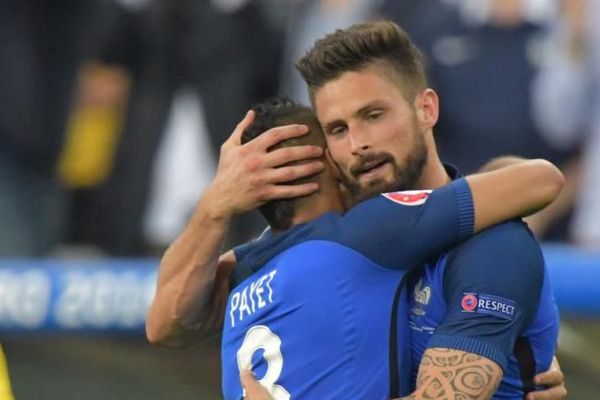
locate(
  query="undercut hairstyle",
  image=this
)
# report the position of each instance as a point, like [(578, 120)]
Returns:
[(279, 112), (380, 44)]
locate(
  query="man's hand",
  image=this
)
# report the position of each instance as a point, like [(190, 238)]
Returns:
[(554, 380), (249, 175), (252, 389)]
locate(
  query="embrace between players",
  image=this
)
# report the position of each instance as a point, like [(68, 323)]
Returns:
[(372, 281)]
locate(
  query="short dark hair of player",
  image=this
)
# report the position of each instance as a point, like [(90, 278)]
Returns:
[(279, 112), (379, 43)]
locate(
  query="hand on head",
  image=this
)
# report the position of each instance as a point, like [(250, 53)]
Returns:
[(249, 175)]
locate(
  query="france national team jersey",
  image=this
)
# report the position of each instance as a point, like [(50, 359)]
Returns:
[(314, 319), (490, 296)]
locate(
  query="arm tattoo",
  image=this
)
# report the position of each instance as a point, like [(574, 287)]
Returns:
[(446, 374)]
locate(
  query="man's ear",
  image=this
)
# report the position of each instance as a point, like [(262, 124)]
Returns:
[(335, 169), (427, 105)]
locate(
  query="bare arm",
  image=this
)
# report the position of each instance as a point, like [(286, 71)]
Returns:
[(193, 279), (540, 222), (515, 190), (443, 374), (190, 292), (454, 374), (500, 162)]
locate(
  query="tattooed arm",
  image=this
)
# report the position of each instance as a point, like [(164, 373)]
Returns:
[(444, 374), (455, 375)]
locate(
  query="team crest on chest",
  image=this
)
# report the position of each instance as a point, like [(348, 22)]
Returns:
[(422, 296), (408, 197)]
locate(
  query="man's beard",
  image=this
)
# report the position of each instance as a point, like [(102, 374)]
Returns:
[(404, 177)]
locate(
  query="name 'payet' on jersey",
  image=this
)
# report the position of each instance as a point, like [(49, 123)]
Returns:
[(251, 298)]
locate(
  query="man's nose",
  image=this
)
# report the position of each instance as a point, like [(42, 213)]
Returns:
[(359, 141)]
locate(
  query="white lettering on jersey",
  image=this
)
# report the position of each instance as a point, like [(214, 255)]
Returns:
[(251, 298), (244, 304)]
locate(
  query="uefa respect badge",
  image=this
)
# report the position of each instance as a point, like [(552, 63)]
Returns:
[(488, 304)]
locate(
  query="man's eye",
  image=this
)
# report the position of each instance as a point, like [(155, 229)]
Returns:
[(338, 130), (374, 115)]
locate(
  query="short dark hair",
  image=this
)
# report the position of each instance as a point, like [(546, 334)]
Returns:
[(360, 46), (278, 112)]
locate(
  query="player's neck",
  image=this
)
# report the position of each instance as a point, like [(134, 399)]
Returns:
[(434, 174), (328, 198)]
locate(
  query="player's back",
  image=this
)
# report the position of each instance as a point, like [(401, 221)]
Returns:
[(312, 318), (306, 323)]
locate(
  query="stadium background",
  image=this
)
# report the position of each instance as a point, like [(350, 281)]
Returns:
[(111, 116)]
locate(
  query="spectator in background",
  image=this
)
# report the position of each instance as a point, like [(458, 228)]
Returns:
[(214, 49), (482, 57), (42, 45), (567, 105), (308, 21), (41, 48)]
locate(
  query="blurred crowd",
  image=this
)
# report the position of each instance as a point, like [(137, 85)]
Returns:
[(112, 112)]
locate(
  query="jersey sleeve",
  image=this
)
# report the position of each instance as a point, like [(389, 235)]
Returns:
[(400, 230), (492, 285)]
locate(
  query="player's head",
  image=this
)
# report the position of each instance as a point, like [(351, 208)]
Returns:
[(368, 87), (274, 113), (379, 43)]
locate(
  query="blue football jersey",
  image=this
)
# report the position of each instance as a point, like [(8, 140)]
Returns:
[(490, 296), (314, 318)]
